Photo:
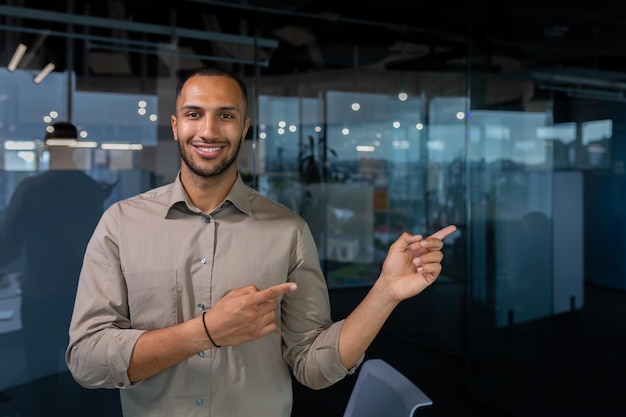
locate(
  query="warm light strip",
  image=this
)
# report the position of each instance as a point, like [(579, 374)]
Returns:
[(17, 145), (122, 146), (44, 73), (60, 142), (17, 57), (84, 144)]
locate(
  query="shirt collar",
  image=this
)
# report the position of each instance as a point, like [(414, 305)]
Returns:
[(239, 195), (180, 201)]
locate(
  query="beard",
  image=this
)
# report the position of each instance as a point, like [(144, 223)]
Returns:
[(224, 164)]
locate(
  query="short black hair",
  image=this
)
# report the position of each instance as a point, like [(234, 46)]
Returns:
[(61, 130), (210, 71)]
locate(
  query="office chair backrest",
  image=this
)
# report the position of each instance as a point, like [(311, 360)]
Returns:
[(381, 391)]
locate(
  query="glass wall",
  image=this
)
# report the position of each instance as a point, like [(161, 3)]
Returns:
[(527, 164), (533, 174)]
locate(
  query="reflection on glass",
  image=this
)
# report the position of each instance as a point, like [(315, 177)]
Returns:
[(43, 234)]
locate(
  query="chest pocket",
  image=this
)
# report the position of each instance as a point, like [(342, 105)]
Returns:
[(152, 299)]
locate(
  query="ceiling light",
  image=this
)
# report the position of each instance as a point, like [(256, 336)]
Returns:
[(12, 145), (84, 144), (17, 57), (122, 146), (44, 73), (61, 142)]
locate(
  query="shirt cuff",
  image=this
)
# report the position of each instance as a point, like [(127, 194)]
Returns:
[(119, 354)]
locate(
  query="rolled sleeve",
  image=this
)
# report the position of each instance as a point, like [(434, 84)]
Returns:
[(311, 339), (326, 348), (101, 340), (101, 360)]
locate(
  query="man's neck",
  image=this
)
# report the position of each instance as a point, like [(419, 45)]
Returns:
[(208, 193)]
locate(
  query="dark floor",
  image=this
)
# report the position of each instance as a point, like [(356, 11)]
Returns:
[(568, 365)]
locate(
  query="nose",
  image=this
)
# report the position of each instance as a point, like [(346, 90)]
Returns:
[(209, 127)]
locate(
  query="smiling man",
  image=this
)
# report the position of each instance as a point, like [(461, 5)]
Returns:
[(181, 303)]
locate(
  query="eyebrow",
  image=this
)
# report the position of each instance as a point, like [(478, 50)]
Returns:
[(221, 108)]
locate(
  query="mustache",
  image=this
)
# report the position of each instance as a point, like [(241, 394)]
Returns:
[(196, 141)]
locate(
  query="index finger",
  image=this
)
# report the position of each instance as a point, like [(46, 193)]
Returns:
[(277, 291), (442, 233)]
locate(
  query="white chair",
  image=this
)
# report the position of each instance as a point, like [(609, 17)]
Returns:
[(381, 391)]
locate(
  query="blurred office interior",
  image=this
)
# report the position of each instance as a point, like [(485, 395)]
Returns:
[(369, 118)]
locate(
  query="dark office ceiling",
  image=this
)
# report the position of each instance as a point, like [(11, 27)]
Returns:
[(308, 35)]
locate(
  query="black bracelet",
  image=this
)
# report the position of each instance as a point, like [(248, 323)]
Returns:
[(207, 331)]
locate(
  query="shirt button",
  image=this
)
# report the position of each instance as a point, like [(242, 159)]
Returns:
[(204, 261), (120, 384), (199, 402), (201, 354), (207, 220), (201, 306)]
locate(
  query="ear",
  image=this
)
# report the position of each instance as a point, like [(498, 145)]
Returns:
[(246, 126), (174, 123)]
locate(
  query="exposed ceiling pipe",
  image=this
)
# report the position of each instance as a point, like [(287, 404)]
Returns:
[(34, 48), (334, 18), (110, 44), (70, 18)]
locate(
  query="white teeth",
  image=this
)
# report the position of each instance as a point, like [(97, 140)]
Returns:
[(208, 149)]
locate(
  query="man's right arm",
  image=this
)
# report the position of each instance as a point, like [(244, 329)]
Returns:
[(104, 350), (244, 314), (101, 341)]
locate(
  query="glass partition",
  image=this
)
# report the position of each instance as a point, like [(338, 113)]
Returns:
[(381, 129), (513, 194), (51, 199)]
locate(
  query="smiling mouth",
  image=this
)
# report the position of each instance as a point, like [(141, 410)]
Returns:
[(209, 148), (206, 146)]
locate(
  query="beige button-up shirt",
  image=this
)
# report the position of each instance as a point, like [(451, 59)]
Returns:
[(155, 260)]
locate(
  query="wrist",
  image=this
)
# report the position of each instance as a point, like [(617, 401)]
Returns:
[(206, 330)]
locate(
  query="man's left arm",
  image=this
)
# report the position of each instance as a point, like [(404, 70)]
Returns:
[(412, 264)]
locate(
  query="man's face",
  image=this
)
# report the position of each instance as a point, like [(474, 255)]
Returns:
[(209, 125)]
